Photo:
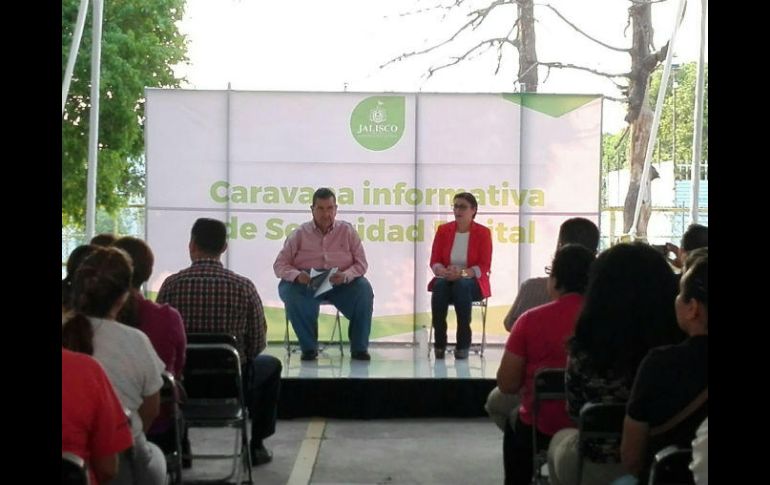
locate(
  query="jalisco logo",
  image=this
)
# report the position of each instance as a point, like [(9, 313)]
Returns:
[(377, 122)]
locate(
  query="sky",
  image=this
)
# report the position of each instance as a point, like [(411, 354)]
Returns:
[(337, 45)]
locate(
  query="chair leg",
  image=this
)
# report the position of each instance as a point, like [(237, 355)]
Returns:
[(430, 339), (286, 336), (483, 327), (245, 450), (338, 328)]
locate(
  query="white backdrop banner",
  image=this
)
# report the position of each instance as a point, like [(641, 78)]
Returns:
[(254, 159)]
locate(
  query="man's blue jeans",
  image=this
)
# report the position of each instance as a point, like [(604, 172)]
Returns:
[(355, 300)]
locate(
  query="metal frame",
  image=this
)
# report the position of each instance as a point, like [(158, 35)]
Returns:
[(336, 329), (547, 386), (202, 410), (478, 348)]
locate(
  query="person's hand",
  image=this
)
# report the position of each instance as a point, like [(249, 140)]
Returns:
[(302, 278), (337, 278), (453, 273), (677, 260)]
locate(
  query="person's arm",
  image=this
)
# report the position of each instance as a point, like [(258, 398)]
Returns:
[(517, 308), (437, 250), (510, 374), (634, 445), (256, 333), (360, 265), (149, 410), (105, 467), (284, 263), (482, 260)]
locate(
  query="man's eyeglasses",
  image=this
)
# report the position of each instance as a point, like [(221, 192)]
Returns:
[(461, 206), (547, 270)]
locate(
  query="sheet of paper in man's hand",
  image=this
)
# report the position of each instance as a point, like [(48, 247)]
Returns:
[(319, 280)]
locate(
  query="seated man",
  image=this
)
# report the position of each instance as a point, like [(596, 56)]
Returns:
[(324, 243), (211, 298)]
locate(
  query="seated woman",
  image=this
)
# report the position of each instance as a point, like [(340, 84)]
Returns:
[(627, 311), (460, 260), (669, 399), (99, 289), (73, 263), (162, 324), (93, 424), (537, 342)]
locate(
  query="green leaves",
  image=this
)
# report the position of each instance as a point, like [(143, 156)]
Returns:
[(140, 43)]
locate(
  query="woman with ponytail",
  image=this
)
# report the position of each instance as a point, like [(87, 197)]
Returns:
[(100, 288)]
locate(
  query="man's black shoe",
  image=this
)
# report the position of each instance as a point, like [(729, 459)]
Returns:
[(260, 455), (439, 352), (361, 355), (309, 355), (186, 462)]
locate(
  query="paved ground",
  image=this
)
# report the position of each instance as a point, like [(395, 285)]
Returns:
[(404, 451)]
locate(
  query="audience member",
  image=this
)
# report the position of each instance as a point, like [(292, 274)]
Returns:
[(627, 311), (533, 292), (323, 244), (93, 424), (696, 236), (104, 239), (212, 298), (100, 288), (460, 260), (669, 399), (73, 263), (536, 342), (162, 324)]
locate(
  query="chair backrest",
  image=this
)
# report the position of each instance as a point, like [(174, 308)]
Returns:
[(212, 371), (548, 385), (601, 421), (601, 424), (212, 338), (73, 470), (672, 467)]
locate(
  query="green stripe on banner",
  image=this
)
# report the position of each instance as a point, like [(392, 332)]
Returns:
[(554, 105)]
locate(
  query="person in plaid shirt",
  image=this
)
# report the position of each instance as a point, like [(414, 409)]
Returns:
[(211, 298)]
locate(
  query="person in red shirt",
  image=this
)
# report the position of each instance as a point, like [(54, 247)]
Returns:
[(94, 425), (537, 341)]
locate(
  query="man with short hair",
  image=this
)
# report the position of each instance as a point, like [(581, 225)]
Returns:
[(323, 244), (211, 298), (534, 292)]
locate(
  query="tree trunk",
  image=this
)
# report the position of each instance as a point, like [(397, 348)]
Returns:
[(527, 52), (640, 136), (639, 114)]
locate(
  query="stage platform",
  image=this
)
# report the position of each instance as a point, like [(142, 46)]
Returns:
[(401, 381)]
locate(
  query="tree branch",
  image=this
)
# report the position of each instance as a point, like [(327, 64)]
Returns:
[(561, 65), (618, 49), (477, 17), (478, 49)]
